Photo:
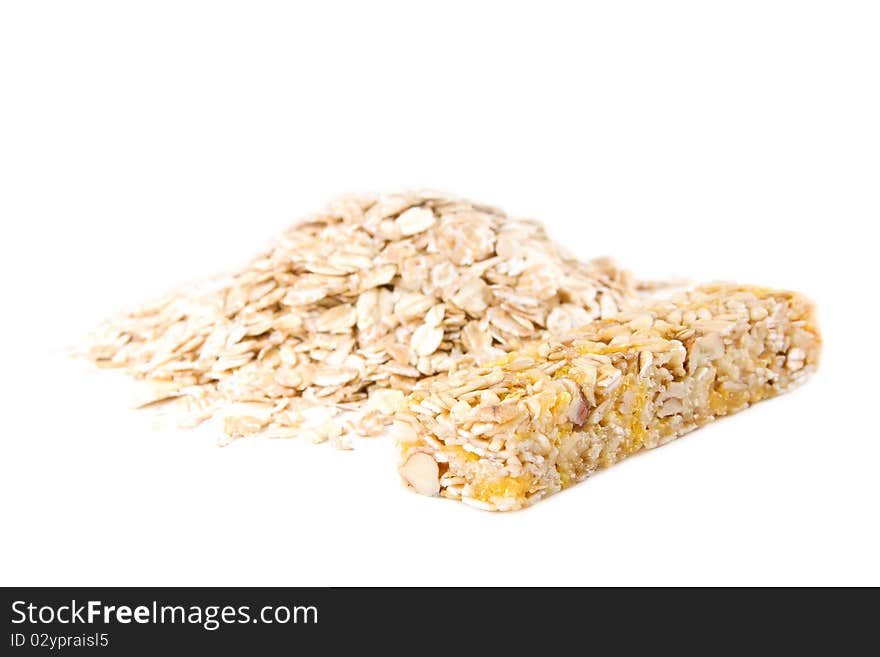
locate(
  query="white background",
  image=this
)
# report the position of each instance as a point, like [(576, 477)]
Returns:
[(145, 144)]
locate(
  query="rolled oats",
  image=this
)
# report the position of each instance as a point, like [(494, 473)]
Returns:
[(359, 302)]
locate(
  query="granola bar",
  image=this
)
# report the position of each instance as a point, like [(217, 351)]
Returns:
[(542, 418)]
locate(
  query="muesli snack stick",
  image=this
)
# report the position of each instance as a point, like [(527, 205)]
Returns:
[(542, 418)]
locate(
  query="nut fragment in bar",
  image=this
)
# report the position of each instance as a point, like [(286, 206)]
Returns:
[(547, 416)]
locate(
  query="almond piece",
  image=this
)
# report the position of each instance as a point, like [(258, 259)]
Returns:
[(421, 472)]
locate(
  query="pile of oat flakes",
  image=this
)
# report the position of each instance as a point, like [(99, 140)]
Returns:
[(351, 309)]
